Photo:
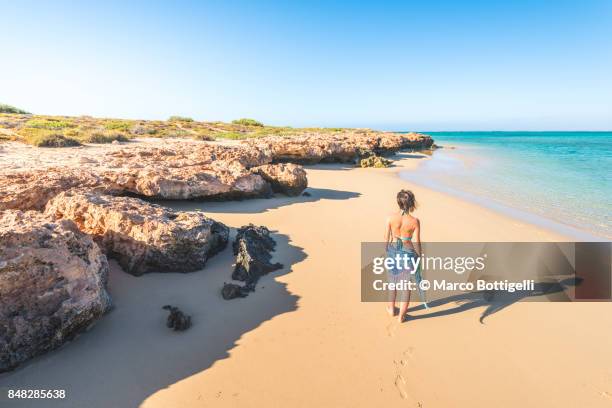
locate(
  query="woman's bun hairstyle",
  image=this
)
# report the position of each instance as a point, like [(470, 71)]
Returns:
[(406, 201)]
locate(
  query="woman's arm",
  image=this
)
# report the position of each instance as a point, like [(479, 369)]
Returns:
[(387, 233), (417, 237)]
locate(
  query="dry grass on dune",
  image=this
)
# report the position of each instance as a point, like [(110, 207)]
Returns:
[(65, 131)]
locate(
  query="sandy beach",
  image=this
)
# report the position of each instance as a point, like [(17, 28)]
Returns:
[(305, 339)]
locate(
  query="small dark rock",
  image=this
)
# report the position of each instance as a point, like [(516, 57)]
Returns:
[(177, 320), (306, 194), (232, 291)]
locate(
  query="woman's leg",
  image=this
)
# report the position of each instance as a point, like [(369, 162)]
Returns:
[(404, 307), (391, 305)]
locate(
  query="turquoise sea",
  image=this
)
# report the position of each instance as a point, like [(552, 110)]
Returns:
[(560, 179)]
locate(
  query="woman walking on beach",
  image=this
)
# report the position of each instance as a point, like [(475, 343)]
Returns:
[(402, 237)]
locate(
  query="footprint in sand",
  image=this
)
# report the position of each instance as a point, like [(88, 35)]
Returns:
[(391, 329), (399, 381), (400, 384), (409, 352)]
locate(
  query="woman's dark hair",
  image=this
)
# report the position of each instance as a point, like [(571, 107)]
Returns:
[(406, 201)]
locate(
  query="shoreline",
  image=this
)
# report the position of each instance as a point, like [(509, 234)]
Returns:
[(420, 177)]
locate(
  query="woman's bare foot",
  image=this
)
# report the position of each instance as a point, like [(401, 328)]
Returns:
[(402, 318), (391, 310)]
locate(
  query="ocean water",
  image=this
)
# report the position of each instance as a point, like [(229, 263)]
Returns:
[(561, 178)]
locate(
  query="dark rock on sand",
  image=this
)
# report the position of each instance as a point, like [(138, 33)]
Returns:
[(253, 247), (177, 320), (52, 284), (232, 291)]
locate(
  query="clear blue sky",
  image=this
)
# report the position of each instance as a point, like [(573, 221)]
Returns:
[(418, 65)]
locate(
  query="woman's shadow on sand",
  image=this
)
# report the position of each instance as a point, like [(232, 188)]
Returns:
[(130, 354), (494, 301)]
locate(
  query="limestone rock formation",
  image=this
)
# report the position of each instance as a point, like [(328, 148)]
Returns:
[(336, 147), (52, 284), (32, 190), (187, 171), (143, 237), (220, 180), (200, 170), (252, 247), (286, 178)]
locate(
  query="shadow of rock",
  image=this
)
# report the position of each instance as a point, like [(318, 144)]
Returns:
[(258, 205), (130, 353)]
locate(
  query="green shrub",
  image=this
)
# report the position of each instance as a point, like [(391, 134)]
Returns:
[(204, 134), (375, 161), (232, 135), (273, 131), (101, 136), (179, 119), (48, 124), (120, 125), (4, 108), (247, 122), (173, 132), (47, 138)]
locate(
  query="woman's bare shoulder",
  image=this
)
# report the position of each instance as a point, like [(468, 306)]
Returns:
[(413, 220)]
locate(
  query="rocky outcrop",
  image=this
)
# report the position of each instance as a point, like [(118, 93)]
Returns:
[(201, 170), (220, 180), (32, 190), (337, 147), (52, 284), (187, 171), (143, 237), (252, 247), (286, 178)]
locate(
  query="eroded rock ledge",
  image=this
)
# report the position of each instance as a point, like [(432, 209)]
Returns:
[(341, 147), (286, 178), (202, 170), (143, 237), (52, 284)]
